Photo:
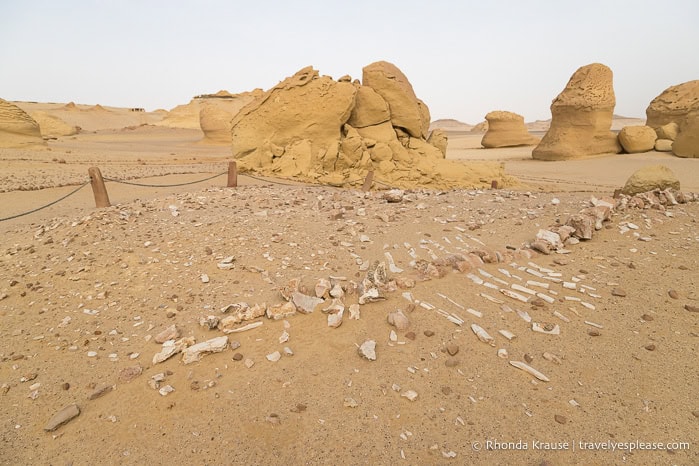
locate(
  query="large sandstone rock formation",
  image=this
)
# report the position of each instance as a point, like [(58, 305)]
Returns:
[(635, 139), (581, 117), (52, 126), (687, 141), (506, 129), (407, 111), (217, 111), (673, 104), (649, 178), (17, 128), (316, 129)]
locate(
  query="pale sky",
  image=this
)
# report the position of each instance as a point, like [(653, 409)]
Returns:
[(463, 58)]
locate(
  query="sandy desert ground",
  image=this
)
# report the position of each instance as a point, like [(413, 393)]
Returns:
[(85, 291)]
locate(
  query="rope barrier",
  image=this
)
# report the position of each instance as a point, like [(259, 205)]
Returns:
[(162, 185), (47, 205), (267, 181), (155, 186)]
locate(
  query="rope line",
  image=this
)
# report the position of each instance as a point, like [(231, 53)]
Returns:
[(162, 185), (47, 205), (267, 181)]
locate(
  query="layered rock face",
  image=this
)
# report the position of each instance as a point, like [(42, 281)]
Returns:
[(635, 139), (581, 117), (673, 105), (506, 129), (17, 128), (319, 130)]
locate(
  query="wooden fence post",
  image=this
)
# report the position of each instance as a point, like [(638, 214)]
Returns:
[(368, 181), (98, 188), (232, 175)]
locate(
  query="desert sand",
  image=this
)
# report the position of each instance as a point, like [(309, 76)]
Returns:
[(84, 292)]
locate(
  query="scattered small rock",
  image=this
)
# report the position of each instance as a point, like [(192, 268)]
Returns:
[(451, 362), (128, 374), (528, 358), (100, 390), (368, 350), (650, 347), (65, 415), (350, 403), (560, 419), (428, 333), (238, 357), (647, 317), (410, 335), (452, 349), (299, 408), (673, 294), (691, 308), (619, 292), (594, 332), (446, 390)]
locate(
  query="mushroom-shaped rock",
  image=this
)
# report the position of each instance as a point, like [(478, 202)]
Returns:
[(581, 117), (673, 104), (506, 129), (635, 139)]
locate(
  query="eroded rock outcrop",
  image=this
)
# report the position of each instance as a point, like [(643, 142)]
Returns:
[(506, 129), (17, 128), (673, 104), (217, 111), (687, 141), (407, 111), (636, 139), (52, 126), (581, 117), (649, 178), (313, 128)]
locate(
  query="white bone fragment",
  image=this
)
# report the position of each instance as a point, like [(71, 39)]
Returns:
[(514, 295), (530, 370), (391, 264), (537, 327), (507, 334), (482, 334), (523, 289), (474, 312), (524, 315), (490, 298)]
